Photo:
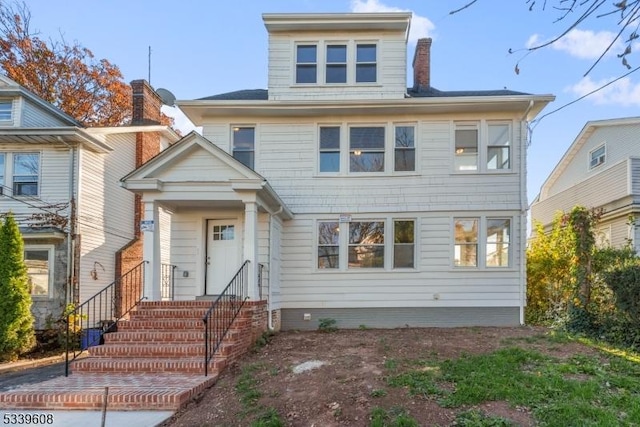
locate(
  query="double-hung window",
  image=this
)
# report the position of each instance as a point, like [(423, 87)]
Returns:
[(405, 149), (366, 244), (366, 65), (498, 239), (482, 147), (26, 170), (328, 244), (244, 145), (466, 148), (366, 149), (361, 244), (597, 157), (403, 244), (38, 260), (469, 233), (306, 63), (336, 71), (330, 149), (6, 107), (499, 147)]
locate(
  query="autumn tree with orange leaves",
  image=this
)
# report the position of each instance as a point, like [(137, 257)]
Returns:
[(66, 75)]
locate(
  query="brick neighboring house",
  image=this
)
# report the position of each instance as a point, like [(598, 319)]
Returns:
[(61, 181)]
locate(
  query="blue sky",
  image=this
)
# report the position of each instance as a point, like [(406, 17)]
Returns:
[(203, 47)]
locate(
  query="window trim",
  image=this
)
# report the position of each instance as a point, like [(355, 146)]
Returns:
[(322, 63), (603, 156), (344, 245), (232, 142), (51, 260), (320, 150), (8, 102), (481, 252), (389, 149), (482, 127)]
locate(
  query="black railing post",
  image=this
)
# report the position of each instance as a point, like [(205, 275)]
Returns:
[(107, 307), (224, 310)]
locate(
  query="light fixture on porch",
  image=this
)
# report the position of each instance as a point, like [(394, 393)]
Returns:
[(94, 273)]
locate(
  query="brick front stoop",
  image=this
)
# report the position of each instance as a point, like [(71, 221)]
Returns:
[(155, 361)]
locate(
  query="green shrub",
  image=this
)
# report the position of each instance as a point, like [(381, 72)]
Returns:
[(16, 321), (327, 325)]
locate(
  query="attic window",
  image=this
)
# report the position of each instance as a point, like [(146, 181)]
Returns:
[(306, 63), (597, 157), (5, 110)]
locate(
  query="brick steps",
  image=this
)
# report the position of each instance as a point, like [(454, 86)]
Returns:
[(190, 365), (154, 361), (126, 392)]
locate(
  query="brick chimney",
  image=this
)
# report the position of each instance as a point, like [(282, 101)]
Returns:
[(422, 65), (146, 112)]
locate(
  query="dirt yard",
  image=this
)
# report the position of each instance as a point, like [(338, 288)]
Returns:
[(351, 378)]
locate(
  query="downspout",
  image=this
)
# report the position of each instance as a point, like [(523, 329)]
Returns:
[(71, 232), (269, 311), (524, 206)]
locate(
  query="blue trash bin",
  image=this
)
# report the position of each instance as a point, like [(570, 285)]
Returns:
[(89, 338)]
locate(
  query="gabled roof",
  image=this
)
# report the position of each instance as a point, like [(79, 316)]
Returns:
[(10, 88), (584, 135), (235, 175)]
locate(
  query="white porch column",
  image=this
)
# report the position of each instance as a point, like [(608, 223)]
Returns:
[(251, 248), (151, 252)]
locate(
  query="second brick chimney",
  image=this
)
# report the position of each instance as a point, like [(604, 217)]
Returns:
[(422, 65)]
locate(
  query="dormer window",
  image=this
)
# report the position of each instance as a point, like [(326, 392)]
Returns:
[(597, 157), (336, 63), (306, 63), (6, 107), (366, 68)]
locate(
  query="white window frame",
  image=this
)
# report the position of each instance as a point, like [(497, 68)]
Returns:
[(232, 149), (482, 242), (51, 254), (601, 159), (6, 110), (389, 149), (7, 181), (322, 63), (389, 244), (315, 64), (395, 126), (482, 156), (344, 64)]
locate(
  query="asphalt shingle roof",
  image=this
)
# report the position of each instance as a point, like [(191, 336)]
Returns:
[(263, 94)]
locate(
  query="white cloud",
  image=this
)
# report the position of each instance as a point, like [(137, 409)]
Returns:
[(583, 44), (624, 92), (420, 26)]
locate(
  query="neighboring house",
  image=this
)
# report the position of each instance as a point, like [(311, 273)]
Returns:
[(61, 182), (361, 199), (600, 170)]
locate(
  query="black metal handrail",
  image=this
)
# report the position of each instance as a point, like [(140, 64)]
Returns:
[(222, 313), (88, 322), (167, 281), (260, 277)]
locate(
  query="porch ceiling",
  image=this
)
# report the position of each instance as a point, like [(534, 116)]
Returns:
[(184, 205)]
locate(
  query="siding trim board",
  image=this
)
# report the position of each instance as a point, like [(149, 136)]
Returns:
[(409, 317)]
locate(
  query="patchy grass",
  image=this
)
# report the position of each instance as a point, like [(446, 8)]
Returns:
[(578, 391), (247, 389), (394, 417)]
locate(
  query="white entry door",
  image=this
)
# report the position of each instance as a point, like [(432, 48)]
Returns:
[(223, 254)]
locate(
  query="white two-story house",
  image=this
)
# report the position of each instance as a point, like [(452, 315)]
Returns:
[(61, 182), (600, 170), (352, 196)]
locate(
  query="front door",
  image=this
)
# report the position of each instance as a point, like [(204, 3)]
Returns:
[(223, 254)]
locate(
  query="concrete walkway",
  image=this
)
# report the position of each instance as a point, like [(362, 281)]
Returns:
[(88, 418)]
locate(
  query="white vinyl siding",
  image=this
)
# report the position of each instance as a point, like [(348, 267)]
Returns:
[(105, 211), (35, 116), (289, 157), (390, 67), (433, 283)]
